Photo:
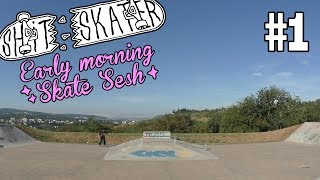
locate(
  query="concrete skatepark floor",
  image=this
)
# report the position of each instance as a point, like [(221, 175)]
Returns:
[(281, 160)]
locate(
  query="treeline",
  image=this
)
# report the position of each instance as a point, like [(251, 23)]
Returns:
[(269, 109)]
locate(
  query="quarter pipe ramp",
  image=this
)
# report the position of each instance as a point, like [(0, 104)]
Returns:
[(308, 133), (11, 136)]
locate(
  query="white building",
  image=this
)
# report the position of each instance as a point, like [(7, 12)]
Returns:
[(24, 120), (124, 122)]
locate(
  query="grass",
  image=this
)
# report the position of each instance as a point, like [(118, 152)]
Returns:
[(199, 138), (235, 138), (77, 137)]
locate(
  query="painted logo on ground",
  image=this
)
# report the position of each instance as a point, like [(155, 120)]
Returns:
[(162, 154), (142, 153)]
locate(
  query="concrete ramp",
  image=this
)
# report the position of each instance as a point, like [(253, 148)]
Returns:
[(11, 136), (166, 149), (308, 133)]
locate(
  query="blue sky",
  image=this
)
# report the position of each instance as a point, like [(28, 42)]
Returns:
[(209, 54)]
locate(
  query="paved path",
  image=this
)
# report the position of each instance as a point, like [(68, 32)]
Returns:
[(246, 161)]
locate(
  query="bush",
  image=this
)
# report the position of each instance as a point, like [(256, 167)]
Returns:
[(200, 127)]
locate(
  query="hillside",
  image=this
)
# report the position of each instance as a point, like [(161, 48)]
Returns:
[(7, 113)]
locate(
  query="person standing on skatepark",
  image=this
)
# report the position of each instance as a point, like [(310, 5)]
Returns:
[(102, 136)]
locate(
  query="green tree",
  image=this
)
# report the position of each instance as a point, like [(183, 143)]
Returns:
[(200, 127), (214, 122), (232, 121), (271, 108), (177, 123)]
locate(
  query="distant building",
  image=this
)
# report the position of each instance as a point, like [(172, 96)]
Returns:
[(12, 119), (24, 120), (124, 122), (132, 122)]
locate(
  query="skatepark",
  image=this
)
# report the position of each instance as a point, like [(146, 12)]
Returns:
[(161, 158)]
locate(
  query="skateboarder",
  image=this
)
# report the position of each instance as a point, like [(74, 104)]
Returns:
[(102, 136)]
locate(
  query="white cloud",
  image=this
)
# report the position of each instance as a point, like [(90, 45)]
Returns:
[(283, 75), (260, 67), (258, 74), (305, 62), (258, 71), (305, 86)]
